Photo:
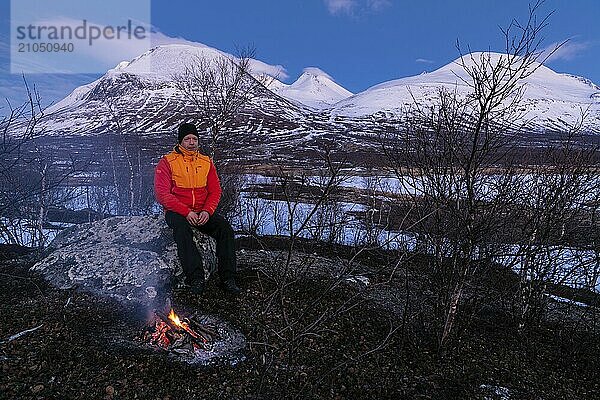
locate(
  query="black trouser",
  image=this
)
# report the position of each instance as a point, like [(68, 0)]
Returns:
[(216, 227)]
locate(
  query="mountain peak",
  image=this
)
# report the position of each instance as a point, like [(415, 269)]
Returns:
[(163, 61), (317, 72), (314, 88)]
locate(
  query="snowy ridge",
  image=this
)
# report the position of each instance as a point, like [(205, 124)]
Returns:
[(76, 96), (313, 88), (164, 61), (552, 100)]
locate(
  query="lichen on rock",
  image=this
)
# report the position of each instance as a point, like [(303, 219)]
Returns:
[(124, 257)]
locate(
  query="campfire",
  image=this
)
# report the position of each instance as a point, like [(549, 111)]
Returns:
[(195, 338), (185, 336)]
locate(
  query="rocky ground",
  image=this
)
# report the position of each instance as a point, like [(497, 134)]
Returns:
[(330, 330)]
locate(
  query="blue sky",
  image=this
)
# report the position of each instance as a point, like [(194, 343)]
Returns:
[(360, 43), (365, 42)]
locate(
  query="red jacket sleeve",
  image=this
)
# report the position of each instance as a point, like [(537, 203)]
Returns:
[(162, 189), (213, 186)]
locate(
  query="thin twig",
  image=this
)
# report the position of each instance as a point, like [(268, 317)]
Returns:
[(23, 333)]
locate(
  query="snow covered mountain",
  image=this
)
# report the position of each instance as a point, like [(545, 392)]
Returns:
[(313, 88), (156, 67), (551, 100), (139, 96)]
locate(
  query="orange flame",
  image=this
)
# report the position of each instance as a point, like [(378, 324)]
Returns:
[(175, 319), (181, 324)]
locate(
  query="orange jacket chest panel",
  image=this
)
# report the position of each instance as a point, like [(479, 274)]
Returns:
[(189, 172)]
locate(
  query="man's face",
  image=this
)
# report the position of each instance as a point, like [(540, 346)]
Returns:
[(190, 142)]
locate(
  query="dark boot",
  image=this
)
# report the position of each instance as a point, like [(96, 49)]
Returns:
[(196, 285), (230, 287), (197, 288)]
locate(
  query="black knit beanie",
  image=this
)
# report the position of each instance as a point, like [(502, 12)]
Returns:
[(185, 129)]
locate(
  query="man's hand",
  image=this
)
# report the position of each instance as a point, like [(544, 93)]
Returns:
[(192, 218), (197, 219), (203, 216)]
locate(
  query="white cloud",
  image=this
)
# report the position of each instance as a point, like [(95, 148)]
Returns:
[(424, 61), (352, 7), (107, 53), (378, 5), (88, 55), (340, 6), (567, 51)]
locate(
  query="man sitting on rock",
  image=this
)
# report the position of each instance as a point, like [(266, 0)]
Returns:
[(187, 185)]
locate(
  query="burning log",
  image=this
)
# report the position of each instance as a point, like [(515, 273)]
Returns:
[(164, 318), (205, 330), (184, 335), (184, 329)]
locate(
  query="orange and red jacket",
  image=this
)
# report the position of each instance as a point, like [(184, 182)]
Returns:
[(187, 181)]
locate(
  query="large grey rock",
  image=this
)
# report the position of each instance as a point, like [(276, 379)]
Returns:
[(125, 257)]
